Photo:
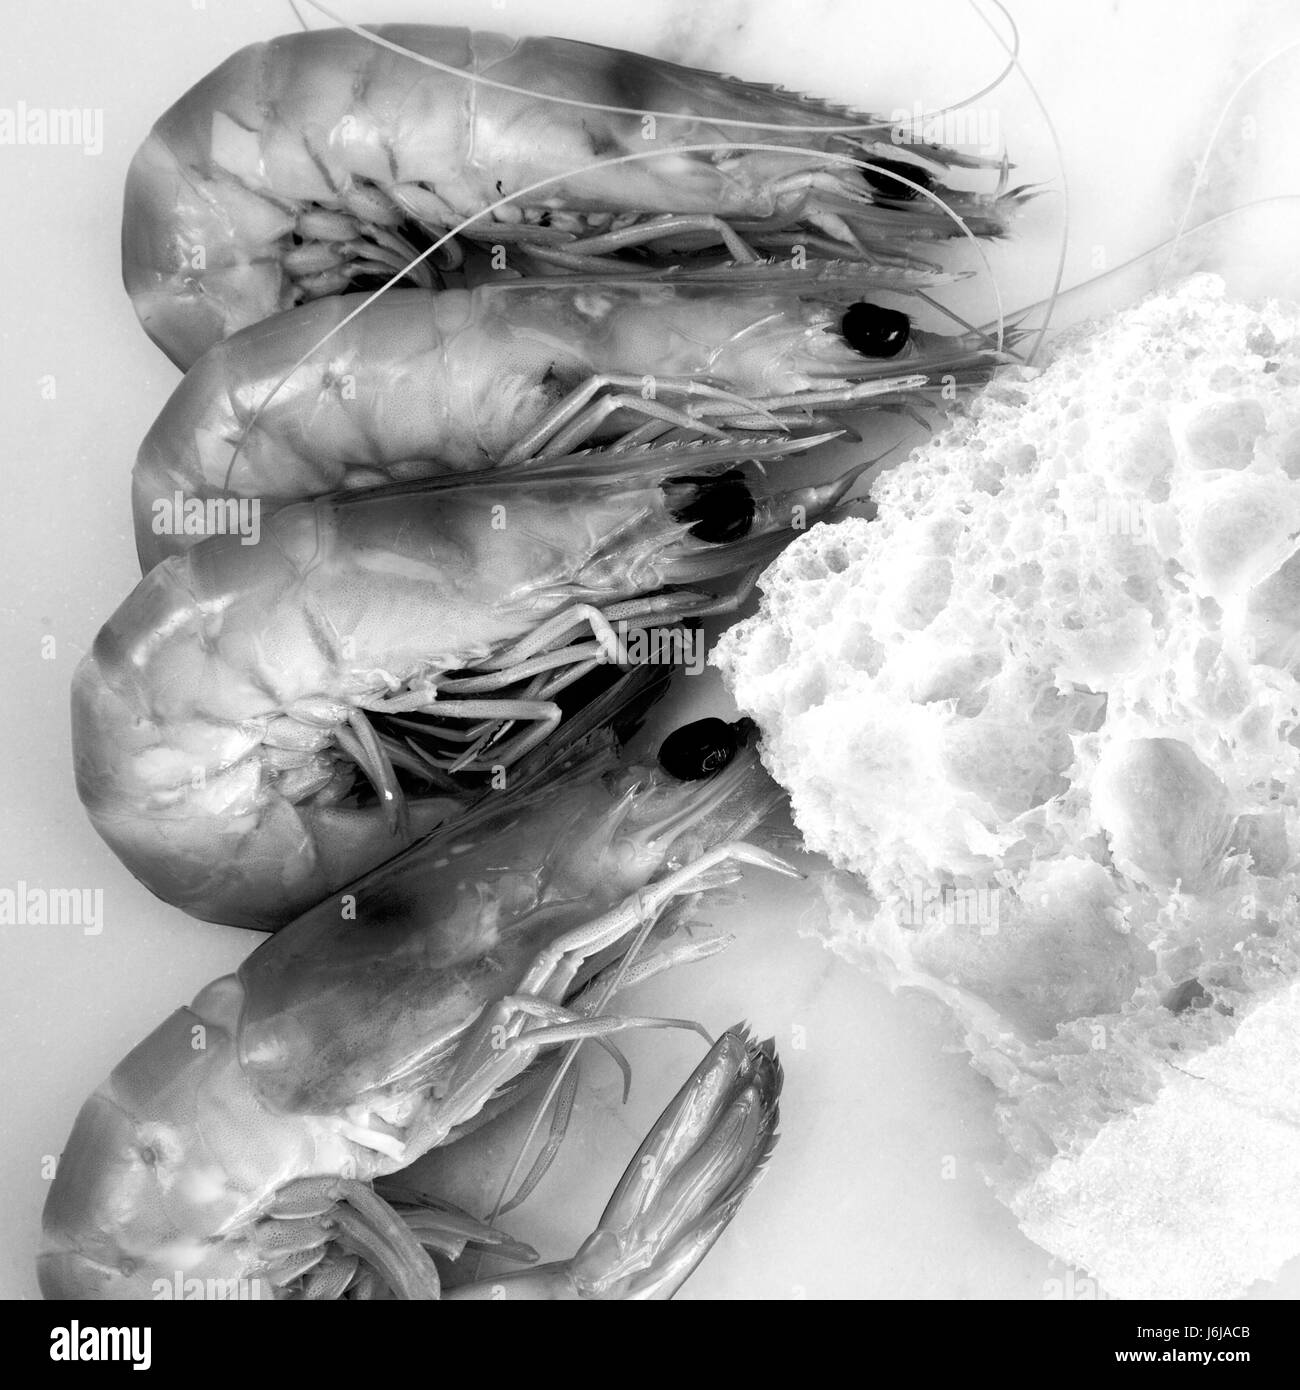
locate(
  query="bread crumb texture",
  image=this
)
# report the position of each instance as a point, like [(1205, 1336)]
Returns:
[(1043, 714)]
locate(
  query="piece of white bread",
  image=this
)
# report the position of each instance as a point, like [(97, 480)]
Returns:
[(1043, 713)]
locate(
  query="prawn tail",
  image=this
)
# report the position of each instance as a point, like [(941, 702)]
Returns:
[(688, 1179)]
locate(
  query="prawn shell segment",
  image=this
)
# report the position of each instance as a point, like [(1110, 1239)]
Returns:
[(169, 1155)]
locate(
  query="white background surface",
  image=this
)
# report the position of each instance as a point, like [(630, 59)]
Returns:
[(854, 1203)]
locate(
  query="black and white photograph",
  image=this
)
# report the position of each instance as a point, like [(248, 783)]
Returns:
[(653, 652)]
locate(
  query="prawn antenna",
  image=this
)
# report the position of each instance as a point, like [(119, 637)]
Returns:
[(741, 124), (1201, 168), (1013, 49)]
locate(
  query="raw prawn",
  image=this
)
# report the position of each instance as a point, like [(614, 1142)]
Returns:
[(236, 1147), (342, 393), (322, 161), (224, 711)]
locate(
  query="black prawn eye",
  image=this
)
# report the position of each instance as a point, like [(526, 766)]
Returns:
[(875, 331), (721, 505), (699, 750), (878, 179)]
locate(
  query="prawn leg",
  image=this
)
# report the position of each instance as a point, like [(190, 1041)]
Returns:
[(509, 753), (502, 1043), (571, 261), (543, 717), (675, 607), (360, 742), (576, 419), (497, 716), (583, 414), (595, 652), (575, 662), (363, 1224), (556, 967), (541, 650), (622, 974), (644, 233)]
